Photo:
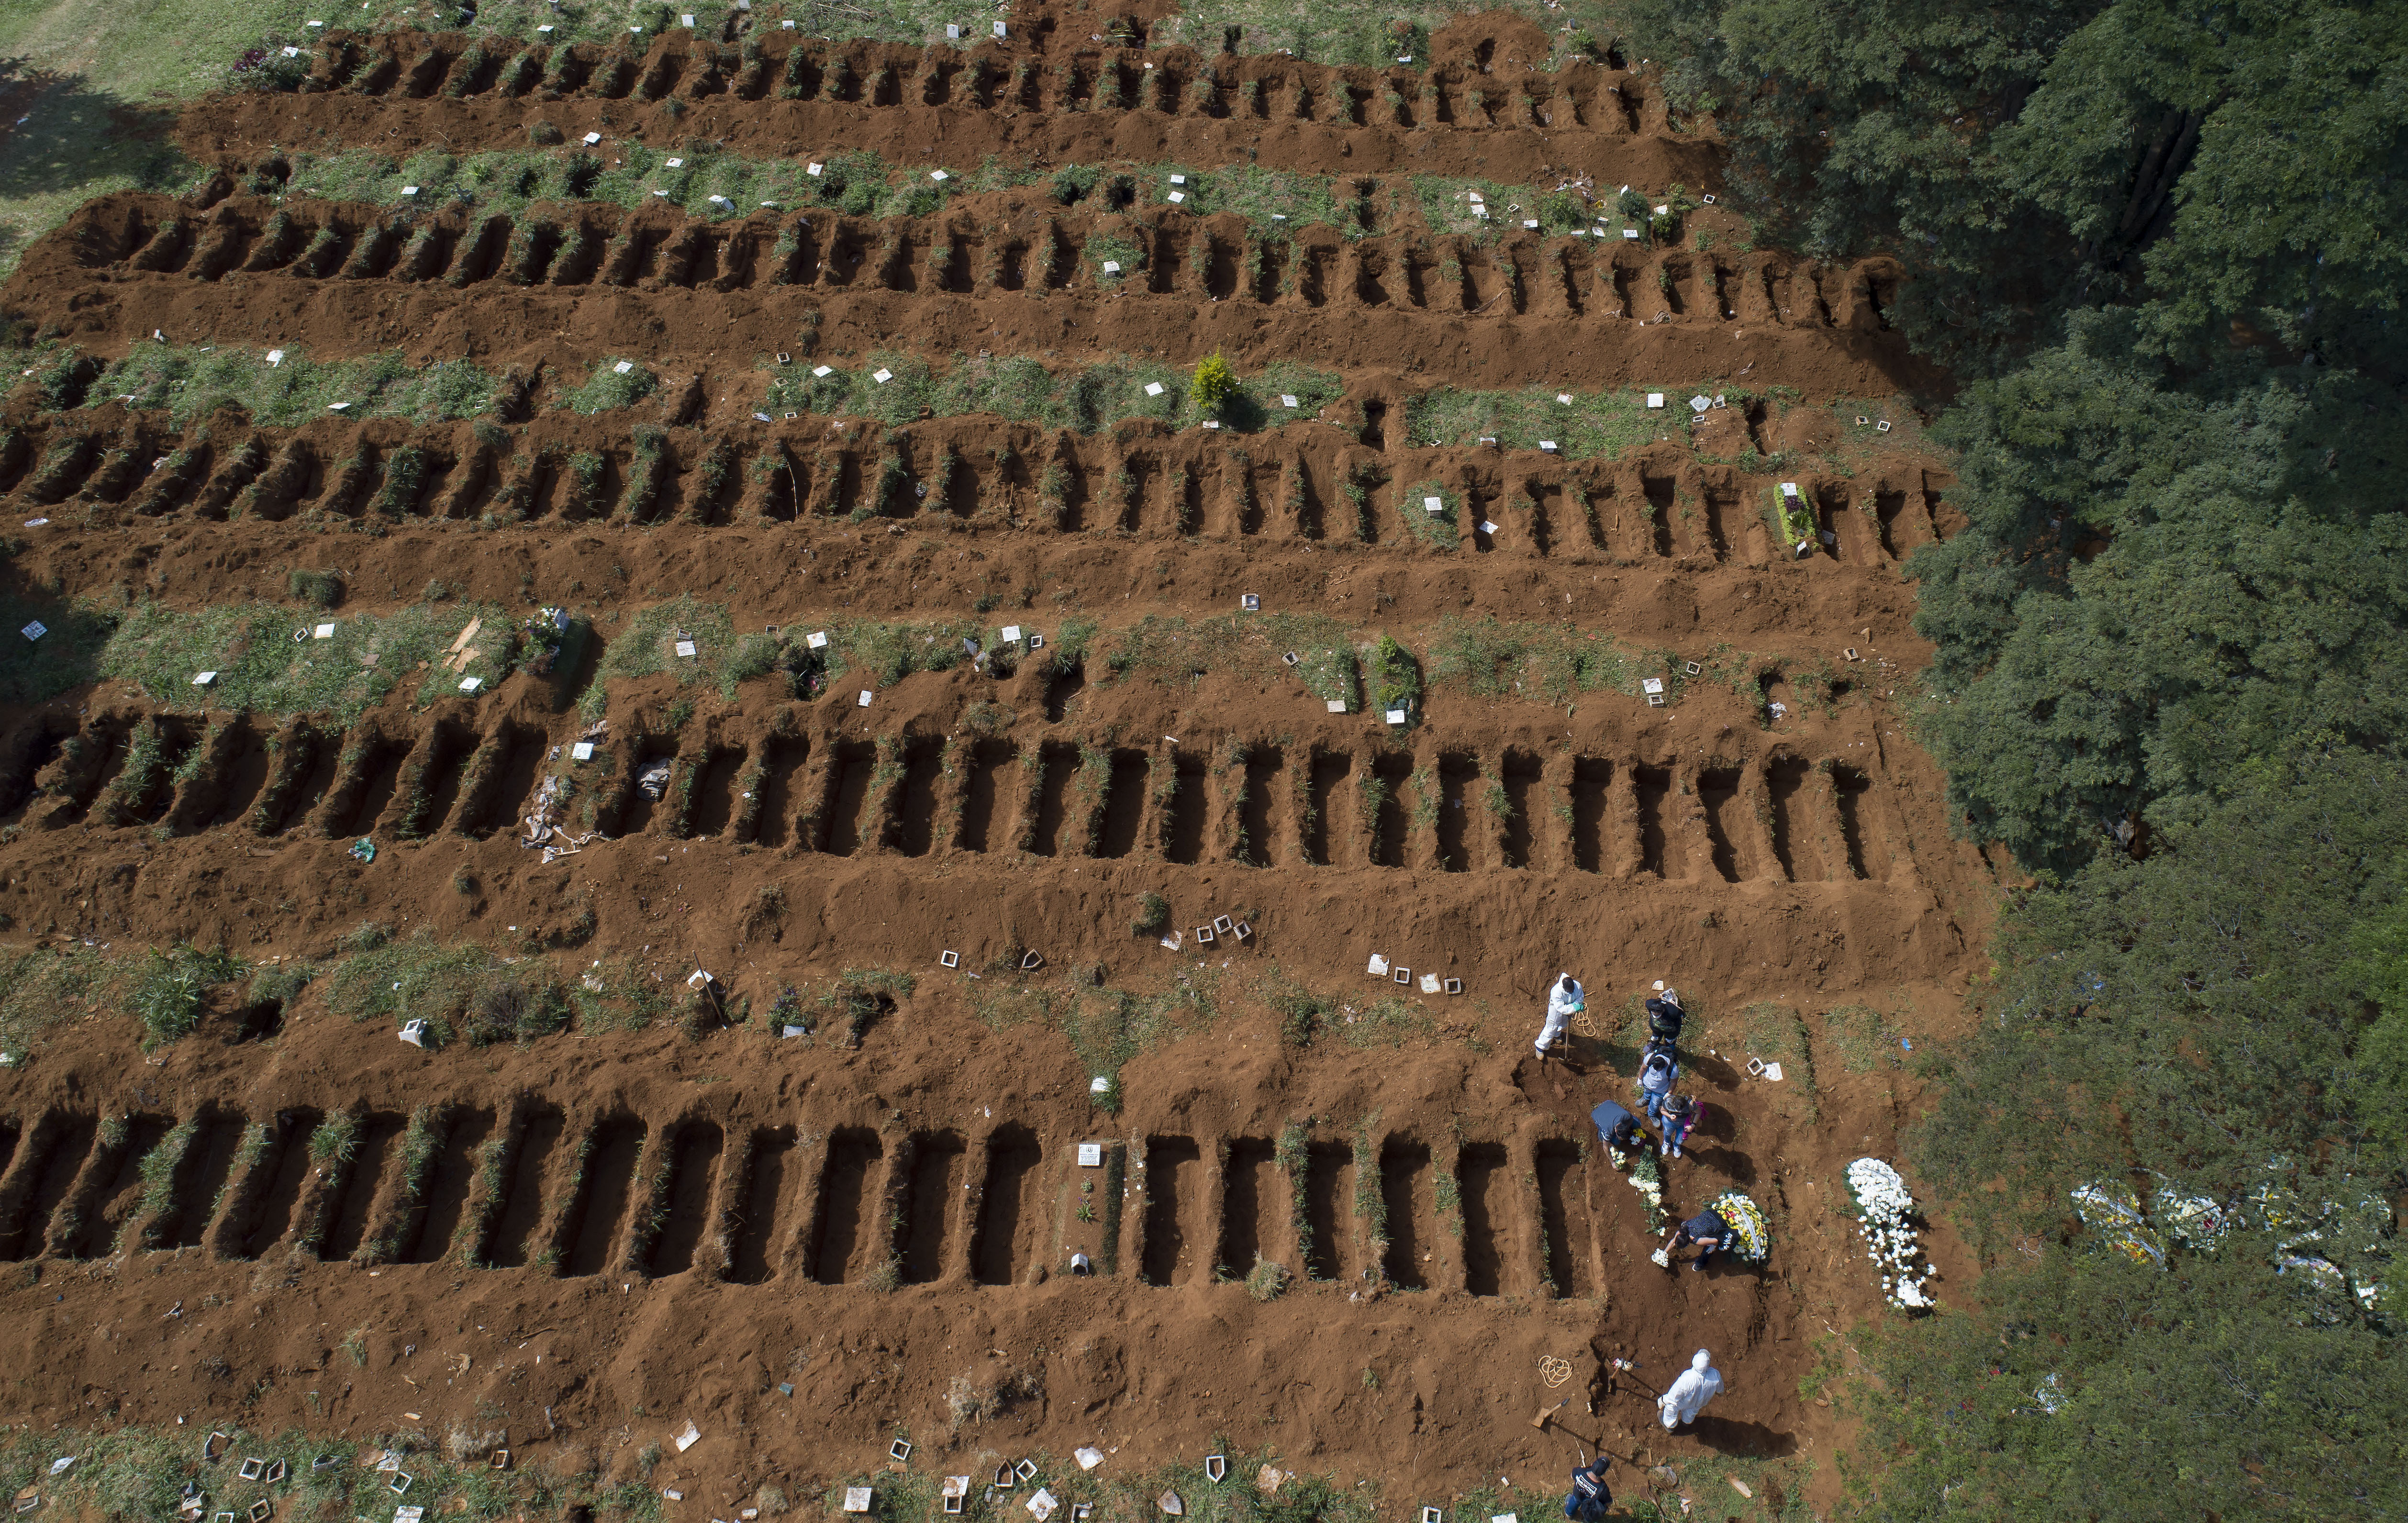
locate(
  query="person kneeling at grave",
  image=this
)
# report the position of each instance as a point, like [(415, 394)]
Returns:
[(1616, 1127), (1587, 1500), (1706, 1230)]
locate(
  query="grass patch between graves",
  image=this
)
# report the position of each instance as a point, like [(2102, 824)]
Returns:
[(190, 383), (263, 668), (1592, 425)]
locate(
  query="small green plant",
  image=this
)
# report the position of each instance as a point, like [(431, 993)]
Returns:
[(1212, 384), (318, 589), (173, 985), (1267, 1279), (336, 1139), (1395, 676), (355, 1345), (1153, 913)]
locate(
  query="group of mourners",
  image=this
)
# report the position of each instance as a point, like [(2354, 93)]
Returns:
[(1731, 1223)]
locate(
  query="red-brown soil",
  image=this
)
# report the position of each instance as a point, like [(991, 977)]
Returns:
[(939, 106), (681, 293), (1807, 862)]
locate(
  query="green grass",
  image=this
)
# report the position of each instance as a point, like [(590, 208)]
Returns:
[(1494, 659), (1382, 1021), (1444, 528), (1593, 425), (1394, 674), (609, 387), (190, 383), (136, 1471), (1368, 33), (1175, 649), (67, 656), (460, 988), (1023, 390), (44, 988), (169, 992), (1864, 1038), (647, 646), (1445, 203), (1777, 1034), (1262, 196), (262, 668), (701, 182)]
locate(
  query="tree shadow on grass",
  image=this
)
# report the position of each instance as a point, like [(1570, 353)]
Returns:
[(62, 144)]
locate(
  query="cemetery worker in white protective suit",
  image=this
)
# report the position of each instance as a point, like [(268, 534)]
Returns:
[(1687, 1396), (1564, 1000)]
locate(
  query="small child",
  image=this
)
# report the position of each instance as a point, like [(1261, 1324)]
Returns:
[(1679, 1117)]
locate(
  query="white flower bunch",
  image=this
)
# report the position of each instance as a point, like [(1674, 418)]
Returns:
[(1648, 1179), (1884, 1205)]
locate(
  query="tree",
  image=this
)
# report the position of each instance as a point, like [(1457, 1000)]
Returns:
[(2167, 593), (2192, 1026), (2247, 160)]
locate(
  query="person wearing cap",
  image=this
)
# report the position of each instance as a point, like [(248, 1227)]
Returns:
[(1564, 1000)]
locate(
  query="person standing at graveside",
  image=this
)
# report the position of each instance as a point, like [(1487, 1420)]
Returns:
[(1587, 1500), (1658, 1071), (1678, 1118), (1665, 1015), (1564, 1000), (1687, 1396)]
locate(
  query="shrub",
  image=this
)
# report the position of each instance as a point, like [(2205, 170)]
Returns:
[(1153, 913), (318, 589), (1213, 383)]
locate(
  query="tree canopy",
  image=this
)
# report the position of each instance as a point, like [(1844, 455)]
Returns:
[(2162, 248), (2244, 161), (2187, 1032)]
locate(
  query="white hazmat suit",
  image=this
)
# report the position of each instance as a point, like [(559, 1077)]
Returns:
[(1698, 1384), (1564, 1000)]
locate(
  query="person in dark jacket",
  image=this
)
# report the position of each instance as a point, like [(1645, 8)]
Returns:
[(1617, 1127), (1707, 1231), (1587, 1500), (1665, 1015), (1679, 1117)]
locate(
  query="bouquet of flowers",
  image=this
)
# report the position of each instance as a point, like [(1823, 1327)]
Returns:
[(1648, 1179), (1885, 1207), (1753, 1234)]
